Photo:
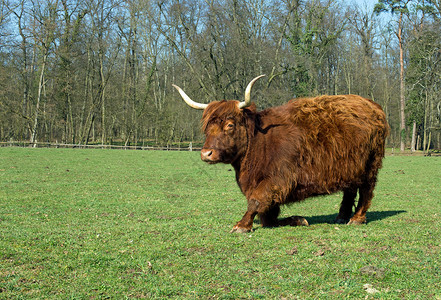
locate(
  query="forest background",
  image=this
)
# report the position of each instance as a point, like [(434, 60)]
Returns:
[(101, 71)]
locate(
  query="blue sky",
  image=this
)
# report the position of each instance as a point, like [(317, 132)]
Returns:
[(369, 3)]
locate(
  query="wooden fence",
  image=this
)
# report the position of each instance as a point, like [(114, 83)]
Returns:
[(80, 146)]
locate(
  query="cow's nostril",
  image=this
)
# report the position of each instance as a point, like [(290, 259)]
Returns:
[(206, 154)]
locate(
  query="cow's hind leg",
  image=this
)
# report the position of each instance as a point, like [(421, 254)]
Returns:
[(346, 205), (366, 190), (366, 194)]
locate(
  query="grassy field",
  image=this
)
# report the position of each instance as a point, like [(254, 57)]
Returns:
[(96, 224)]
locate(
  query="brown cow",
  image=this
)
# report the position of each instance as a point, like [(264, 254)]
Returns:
[(307, 147)]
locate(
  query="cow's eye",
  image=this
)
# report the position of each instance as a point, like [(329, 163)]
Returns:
[(230, 126)]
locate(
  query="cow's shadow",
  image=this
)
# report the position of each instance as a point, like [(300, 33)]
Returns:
[(330, 219), (370, 217)]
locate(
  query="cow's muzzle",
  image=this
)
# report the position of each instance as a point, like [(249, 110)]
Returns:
[(209, 155)]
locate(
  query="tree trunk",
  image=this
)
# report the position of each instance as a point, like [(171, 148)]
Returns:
[(426, 116), (103, 100), (429, 142), (402, 99), (37, 106), (412, 147)]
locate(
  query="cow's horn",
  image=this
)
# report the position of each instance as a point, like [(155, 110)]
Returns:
[(188, 99), (247, 101)]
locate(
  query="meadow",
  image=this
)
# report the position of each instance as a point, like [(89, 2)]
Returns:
[(115, 224)]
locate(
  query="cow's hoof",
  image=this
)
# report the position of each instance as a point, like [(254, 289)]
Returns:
[(240, 229), (299, 221), (356, 222), (294, 221)]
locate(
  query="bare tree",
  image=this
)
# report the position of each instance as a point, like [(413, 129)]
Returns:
[(364, 25), (400, 8), (44, 33)]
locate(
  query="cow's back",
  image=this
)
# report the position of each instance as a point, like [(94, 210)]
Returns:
[(339, 122)]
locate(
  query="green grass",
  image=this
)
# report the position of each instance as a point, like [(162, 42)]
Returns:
[(87, 224)]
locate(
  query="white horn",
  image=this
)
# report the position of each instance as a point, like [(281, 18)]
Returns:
[(188, 99), (247, 101)]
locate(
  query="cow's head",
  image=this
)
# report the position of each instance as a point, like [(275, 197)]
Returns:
[(224, 125)]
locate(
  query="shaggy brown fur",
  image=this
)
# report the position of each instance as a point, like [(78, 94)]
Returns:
[(307, 147)]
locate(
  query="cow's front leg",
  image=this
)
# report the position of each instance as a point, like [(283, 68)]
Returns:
[(246, 224)]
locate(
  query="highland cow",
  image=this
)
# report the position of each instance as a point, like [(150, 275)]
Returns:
[(307, 147)]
